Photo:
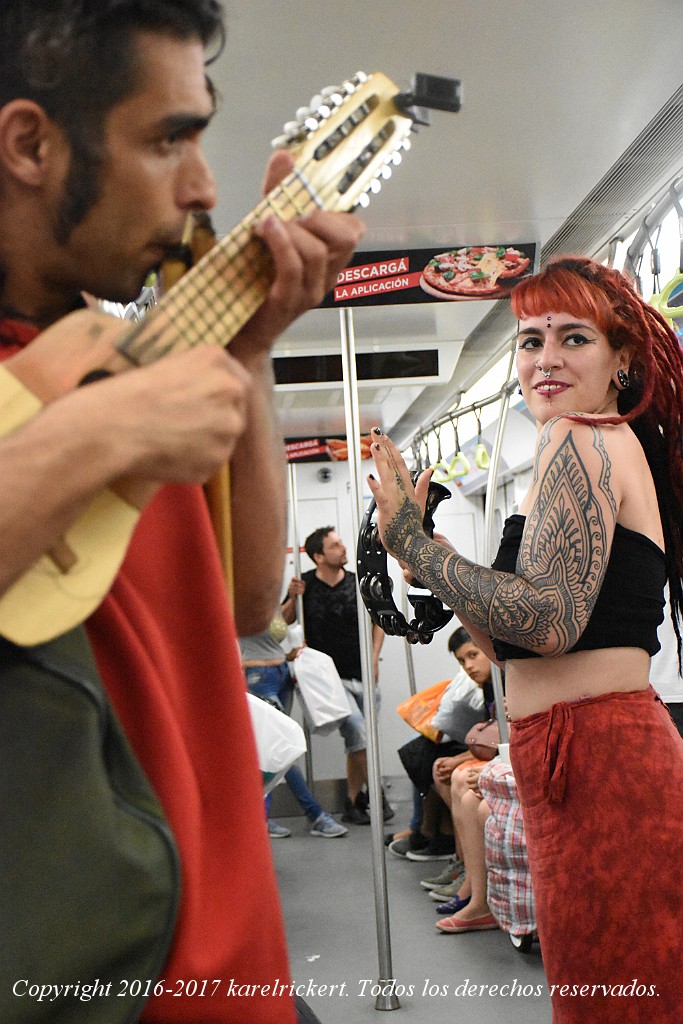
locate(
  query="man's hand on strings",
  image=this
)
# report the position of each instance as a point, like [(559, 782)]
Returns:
[(308, 253)]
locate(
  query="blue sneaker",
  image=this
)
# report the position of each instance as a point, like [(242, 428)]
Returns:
[(325, 825), (276, 831), (453, 906)]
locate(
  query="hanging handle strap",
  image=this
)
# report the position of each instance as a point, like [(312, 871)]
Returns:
[(679, 210)]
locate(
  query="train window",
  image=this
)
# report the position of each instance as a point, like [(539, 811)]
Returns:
[(322, 368), (667, 241), (487, 385), (666, 238)]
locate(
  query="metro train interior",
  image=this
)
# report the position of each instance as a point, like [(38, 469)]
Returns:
[(569, 138)]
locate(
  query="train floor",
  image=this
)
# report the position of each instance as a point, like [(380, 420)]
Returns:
[(328, 899)]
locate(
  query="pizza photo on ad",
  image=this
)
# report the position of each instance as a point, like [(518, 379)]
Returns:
[(475, 272)]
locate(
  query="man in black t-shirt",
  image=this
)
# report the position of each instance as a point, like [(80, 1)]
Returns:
[(331, 626)]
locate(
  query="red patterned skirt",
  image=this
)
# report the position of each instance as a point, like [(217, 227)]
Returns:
[(601, 786)]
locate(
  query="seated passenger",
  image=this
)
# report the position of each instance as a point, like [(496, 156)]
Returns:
[(463, 704), (470, 910), (496, 891)]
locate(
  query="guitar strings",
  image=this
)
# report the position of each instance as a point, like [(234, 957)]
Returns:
[(239, 264), (202, 299), (229, 284), (195, 311)]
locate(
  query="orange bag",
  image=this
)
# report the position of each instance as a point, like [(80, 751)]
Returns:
[(419, 710)]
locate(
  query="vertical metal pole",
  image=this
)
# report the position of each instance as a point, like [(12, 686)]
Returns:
[(296, 562), (489, 517), (351, 412), (410, 661)]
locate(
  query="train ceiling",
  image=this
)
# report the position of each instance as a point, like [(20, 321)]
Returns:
[(554, 95)]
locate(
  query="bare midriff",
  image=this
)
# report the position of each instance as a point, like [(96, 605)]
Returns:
[(535, 684)]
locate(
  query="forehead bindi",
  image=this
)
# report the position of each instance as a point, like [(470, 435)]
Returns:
[(560, 322)]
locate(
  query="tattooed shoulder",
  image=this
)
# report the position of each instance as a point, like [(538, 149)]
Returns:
[(565, 545)]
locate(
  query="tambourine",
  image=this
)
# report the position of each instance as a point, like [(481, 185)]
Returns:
[(376, 585)]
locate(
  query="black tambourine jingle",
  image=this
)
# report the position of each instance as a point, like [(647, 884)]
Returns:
[(376, 586)]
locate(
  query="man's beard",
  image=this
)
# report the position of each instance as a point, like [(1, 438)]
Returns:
[(81, 189)]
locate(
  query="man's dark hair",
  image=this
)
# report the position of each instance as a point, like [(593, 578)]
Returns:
[(77, 60), (314, 541), (458, 638)]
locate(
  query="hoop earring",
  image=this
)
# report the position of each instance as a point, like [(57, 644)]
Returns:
[(624, 380)]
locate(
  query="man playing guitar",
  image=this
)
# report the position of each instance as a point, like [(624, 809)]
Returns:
[(102, 109)]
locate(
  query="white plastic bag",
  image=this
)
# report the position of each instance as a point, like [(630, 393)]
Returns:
[(279, 740), (321, 691)]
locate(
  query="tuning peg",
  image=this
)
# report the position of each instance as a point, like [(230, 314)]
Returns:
[(375, 185), (302, 113), (333, 93), (290, 127), (311, 123), (360, 77), (280, 142), (386, 172), (396, 158), (349, 87), (364, 200), (316, 101)]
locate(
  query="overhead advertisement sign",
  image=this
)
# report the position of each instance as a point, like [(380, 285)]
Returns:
[(324, 449), (460, 274)]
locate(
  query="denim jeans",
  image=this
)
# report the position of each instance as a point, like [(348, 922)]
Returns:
[(274, 683), (352, 729)]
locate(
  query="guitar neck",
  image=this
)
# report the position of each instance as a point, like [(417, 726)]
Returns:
[(216, 298), (349, 139)]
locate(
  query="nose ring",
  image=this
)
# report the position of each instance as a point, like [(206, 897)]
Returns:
[(546, 373)]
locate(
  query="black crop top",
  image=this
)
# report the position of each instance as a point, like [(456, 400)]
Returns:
[(630, 605)]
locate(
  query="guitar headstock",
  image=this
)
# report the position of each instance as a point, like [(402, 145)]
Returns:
[(348, 140)]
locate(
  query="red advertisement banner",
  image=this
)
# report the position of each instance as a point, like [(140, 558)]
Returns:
[(458, 274)]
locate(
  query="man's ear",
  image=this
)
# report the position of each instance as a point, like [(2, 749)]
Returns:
[(27, 137)]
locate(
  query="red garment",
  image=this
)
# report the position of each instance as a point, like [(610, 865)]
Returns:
[(165, 643), (14, 335), (601, 786)]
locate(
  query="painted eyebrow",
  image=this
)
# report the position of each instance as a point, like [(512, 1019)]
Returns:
[(564, 327)]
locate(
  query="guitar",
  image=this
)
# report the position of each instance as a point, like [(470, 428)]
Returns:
[(342, 148)]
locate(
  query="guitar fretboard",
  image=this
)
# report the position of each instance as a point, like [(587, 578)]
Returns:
[(216, 298)]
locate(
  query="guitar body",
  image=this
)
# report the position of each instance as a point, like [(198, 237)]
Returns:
[(48, 599)]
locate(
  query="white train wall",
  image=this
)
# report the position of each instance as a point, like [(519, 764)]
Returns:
[(324, 500)]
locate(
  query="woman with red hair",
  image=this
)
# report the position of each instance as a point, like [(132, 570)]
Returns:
[(571, 606)]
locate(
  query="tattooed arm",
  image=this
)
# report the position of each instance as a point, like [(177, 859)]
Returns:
[(545, 605)]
